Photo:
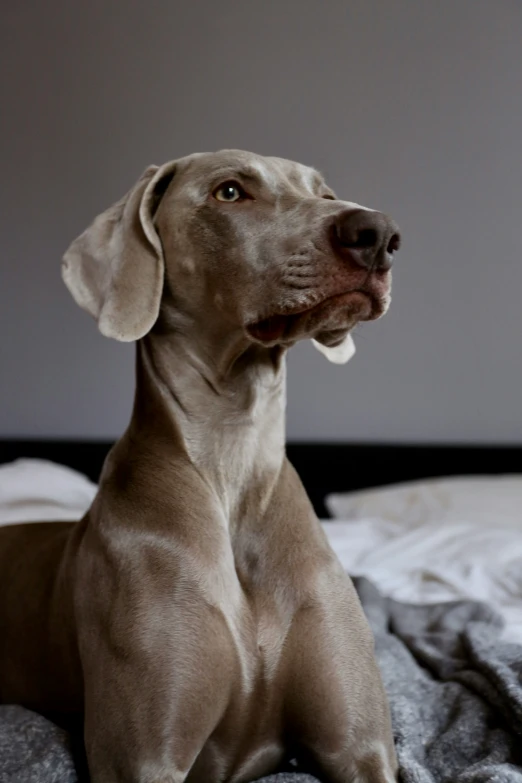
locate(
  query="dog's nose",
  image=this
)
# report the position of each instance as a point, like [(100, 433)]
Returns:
[(366, 237)]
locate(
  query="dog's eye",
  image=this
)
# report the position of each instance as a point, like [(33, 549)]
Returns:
[(230, 192), (329, 196)]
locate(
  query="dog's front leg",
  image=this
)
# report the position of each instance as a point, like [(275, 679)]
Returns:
[(149, 708), (337, 705), (148, 713), (158, 666)]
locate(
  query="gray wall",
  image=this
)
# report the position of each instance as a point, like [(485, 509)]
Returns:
[(411, 106)]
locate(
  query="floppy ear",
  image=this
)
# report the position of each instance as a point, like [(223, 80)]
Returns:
[(114, 270), (338, 354)]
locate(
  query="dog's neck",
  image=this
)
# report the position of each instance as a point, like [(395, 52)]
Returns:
[(223, 404)]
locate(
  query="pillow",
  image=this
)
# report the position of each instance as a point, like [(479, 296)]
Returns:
[(484, 500), (33, 490)]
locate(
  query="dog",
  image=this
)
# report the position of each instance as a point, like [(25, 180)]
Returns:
[(196, 615)]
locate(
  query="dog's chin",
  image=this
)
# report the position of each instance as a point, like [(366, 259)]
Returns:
[(327, 322), (331, 338)]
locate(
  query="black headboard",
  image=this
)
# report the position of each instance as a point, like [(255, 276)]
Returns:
[(323, 467)]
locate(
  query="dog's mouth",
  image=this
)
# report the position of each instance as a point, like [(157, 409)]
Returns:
[(271, 329), (341, 311)]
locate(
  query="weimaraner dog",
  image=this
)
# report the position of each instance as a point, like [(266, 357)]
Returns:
[(196, 614)]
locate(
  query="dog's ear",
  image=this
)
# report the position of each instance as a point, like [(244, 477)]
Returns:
[(115, 269), (340, 353)]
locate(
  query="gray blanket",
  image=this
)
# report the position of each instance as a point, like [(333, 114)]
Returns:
[(455, 692)]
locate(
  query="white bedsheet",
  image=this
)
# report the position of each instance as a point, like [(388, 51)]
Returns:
[(436, 540), (442, 555), (434, 562)]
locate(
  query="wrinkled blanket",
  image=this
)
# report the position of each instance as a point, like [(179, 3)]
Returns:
[(455, 692)]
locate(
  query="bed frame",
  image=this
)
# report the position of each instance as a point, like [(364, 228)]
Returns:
[(323, 467)]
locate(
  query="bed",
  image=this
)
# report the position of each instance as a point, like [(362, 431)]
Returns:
[(433, 538)]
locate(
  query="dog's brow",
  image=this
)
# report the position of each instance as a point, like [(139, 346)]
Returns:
[(252, 176), (246, 174)]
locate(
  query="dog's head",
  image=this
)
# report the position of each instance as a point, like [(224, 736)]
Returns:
[(232, 241)]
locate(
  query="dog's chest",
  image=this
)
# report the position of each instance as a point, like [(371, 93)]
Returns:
[(259, 614)]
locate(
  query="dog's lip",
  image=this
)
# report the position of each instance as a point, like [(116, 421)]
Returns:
[(280, 325)]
